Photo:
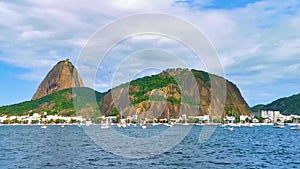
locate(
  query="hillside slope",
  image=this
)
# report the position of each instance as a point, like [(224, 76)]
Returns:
[(60, 102), (287, 105), (140, 90)]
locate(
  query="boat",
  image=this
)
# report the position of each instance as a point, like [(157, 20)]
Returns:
[(62, 126), (105, 125), (44, 125), (278, 125), (122, 124), (230, 128), (296, 127), (155, 124), (169, 124), (143, 125)]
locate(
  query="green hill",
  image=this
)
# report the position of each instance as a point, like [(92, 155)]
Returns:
[(60, 102), (257, 108), (163, 86), (287, 105)]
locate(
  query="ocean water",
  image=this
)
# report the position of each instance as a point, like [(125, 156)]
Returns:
[(70, 147)]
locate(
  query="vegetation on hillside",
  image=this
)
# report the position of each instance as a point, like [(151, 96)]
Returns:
[(257, 108), (286, 105), (60, 102), (149, 83)]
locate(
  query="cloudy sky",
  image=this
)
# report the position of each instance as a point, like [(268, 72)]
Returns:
[(257, 41)]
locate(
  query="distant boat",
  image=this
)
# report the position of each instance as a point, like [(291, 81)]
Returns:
[(278, 125), (43, 126), (122, 124), (105, 125), (144, 126), (168, 124), (230, 128), (296, 128), (155, 124), (62, 126)]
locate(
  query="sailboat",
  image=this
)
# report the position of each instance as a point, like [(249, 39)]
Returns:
[(185, 122), (44, 125), (105, 125)]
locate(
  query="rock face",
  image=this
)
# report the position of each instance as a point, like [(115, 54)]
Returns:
[(62, 76), (175, 101)]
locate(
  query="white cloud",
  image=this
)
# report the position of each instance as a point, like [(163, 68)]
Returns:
[(259, 41)]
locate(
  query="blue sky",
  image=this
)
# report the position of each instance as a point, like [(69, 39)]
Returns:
[(258, 42)]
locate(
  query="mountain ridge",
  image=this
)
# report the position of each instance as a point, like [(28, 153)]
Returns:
[(286, 105)]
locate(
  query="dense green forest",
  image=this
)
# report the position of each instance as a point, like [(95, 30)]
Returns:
[(286, 105), (149, 83), (60, 102), (257, 108)]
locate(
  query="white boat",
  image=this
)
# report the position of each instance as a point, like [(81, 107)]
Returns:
[(224, 125), (105, 125), (155, 124), (144, 126), (296, 127), (168, 124), (62, 126), (249, 125), (230, 128), (43, 126), (278, 125), (233, 125), (122, 123), (255, 124)]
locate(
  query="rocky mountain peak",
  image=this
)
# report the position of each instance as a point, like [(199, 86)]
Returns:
[(62, 76)]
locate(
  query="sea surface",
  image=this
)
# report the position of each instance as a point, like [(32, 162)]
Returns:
[(70, 147)]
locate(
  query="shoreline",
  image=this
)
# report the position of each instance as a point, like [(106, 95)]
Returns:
[(157, 124)]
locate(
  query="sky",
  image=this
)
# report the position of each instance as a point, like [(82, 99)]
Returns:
[(257, 42)]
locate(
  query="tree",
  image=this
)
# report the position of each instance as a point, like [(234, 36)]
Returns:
[(114, 112)]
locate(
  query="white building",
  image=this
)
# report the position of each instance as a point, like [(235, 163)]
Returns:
[(270, 114), (3, 118), (255, 120), (230, 119), (243, 118)]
